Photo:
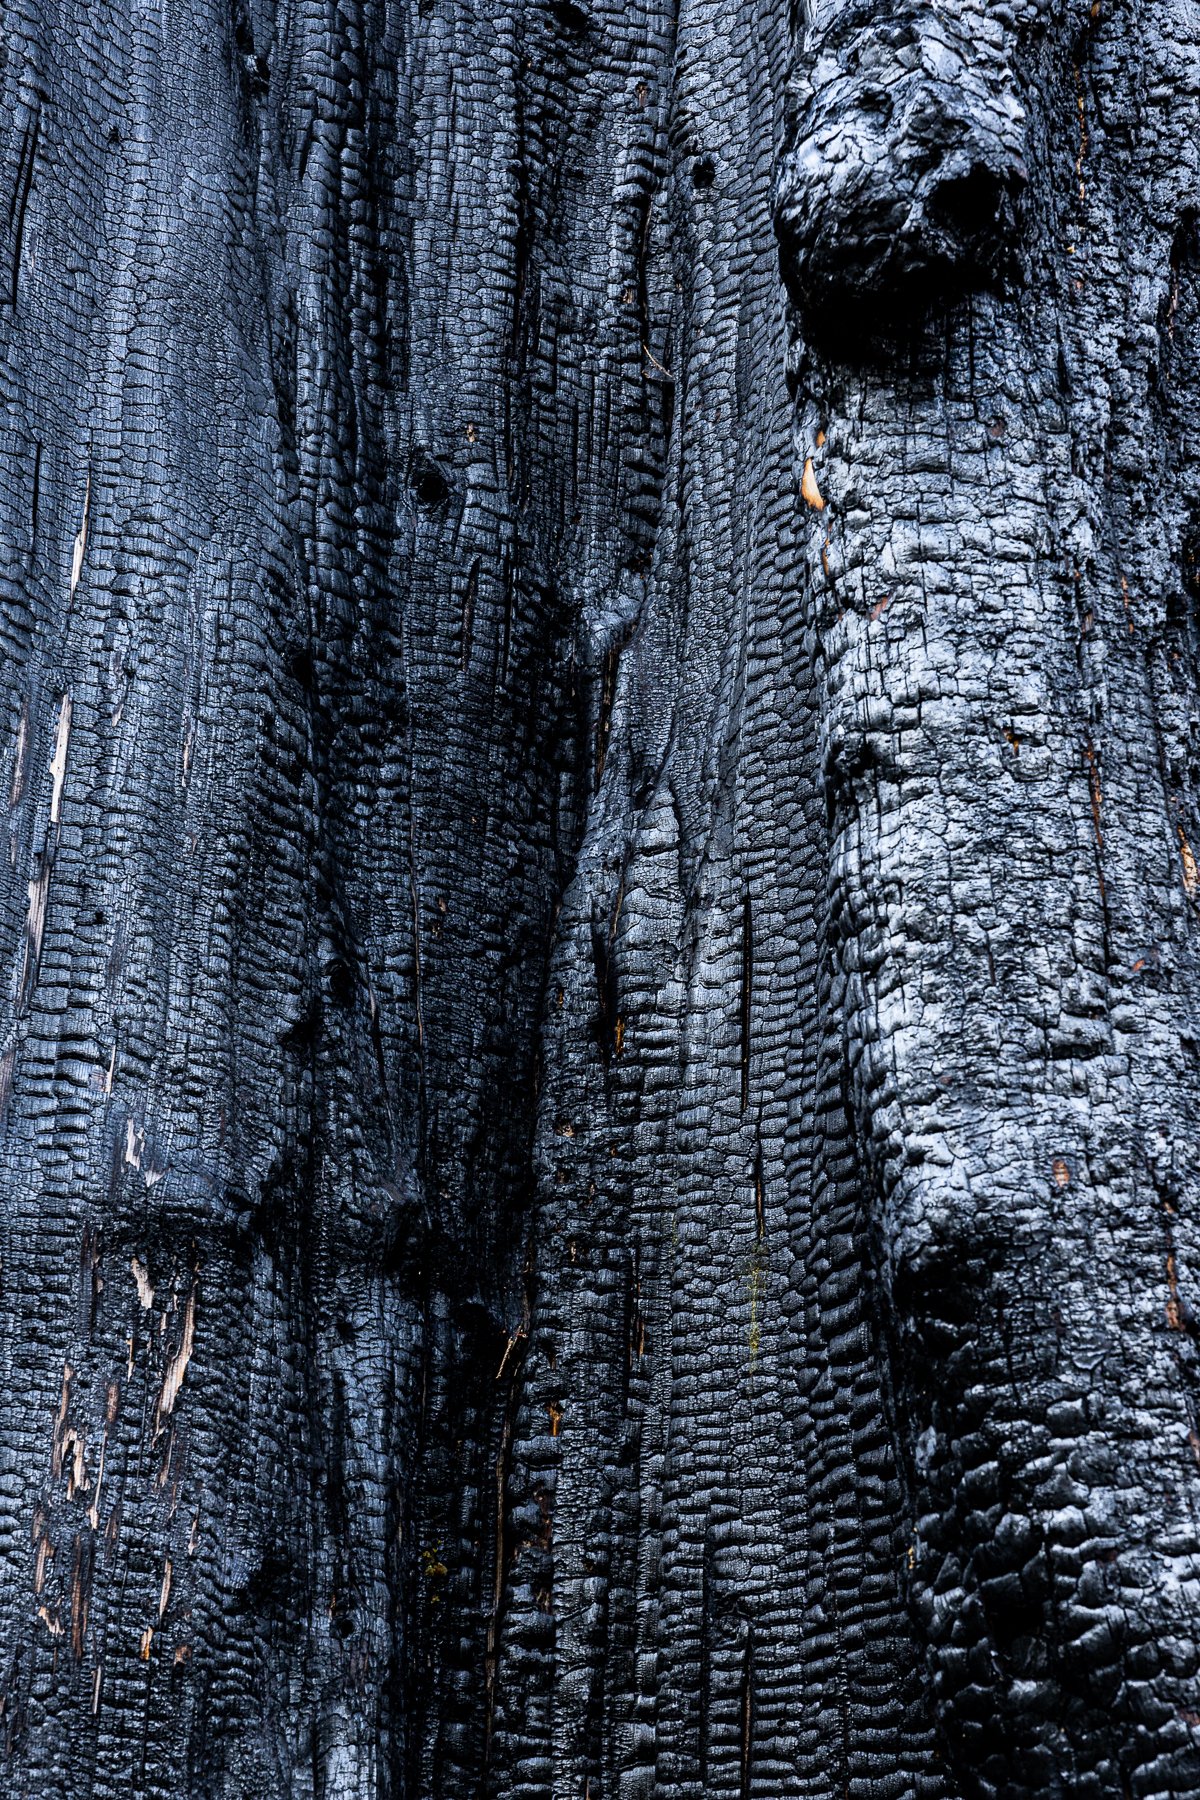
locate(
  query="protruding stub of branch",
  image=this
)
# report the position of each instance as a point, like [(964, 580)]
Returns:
[(902, 176)]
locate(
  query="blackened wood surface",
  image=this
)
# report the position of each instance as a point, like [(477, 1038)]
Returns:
[(600, 733)]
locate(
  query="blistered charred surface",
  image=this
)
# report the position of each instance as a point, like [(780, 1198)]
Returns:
[(1000, 550), (527, 438), (153, 1574), (599, 1065), (292, 778), (701, 1568), (906, 157), (337, 395)]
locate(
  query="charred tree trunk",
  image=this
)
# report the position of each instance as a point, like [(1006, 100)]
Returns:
[(600, 723)]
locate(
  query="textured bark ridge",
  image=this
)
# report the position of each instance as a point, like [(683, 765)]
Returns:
[(600, 719), (1000, 579), (906, 163)]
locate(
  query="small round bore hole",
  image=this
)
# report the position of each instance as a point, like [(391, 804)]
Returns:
[(430, 487), (570, 15)]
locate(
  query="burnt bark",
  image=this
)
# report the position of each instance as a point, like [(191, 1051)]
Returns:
[(600, 724)]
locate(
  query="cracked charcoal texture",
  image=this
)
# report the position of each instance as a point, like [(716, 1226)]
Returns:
[(600, 750)]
